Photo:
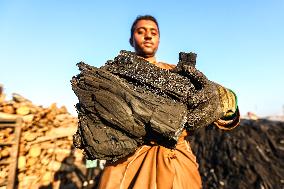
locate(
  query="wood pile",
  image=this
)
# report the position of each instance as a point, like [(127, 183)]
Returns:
[(2, 95), (45, 147)]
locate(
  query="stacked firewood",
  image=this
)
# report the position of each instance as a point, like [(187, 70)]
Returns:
[(2, 96), (45, 148)]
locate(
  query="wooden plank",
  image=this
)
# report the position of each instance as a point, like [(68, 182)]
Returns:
[(14, 156), (6, 162), (7, 143), (6, 117), (3, 184), (5, 125)]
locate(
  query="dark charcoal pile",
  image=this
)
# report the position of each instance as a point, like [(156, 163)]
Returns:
[(250, 156)]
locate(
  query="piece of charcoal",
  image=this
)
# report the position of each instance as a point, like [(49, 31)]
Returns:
[(143, 74), (139, 102), (138, 116), (187, 58)]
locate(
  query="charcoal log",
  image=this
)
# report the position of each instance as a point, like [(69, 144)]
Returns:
[(144, 75), (183, 84), (118, 111), (129, 102), (101, 142)]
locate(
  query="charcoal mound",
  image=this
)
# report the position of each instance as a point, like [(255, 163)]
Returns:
[(250, 156)]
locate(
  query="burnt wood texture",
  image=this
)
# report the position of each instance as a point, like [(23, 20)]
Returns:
[(129, 102)]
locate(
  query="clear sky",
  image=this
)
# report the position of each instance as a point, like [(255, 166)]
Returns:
[(240, 44)]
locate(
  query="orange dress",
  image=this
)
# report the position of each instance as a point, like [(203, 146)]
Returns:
[(156, 167)]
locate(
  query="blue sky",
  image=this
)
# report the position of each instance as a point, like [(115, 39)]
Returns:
[(240, 44)]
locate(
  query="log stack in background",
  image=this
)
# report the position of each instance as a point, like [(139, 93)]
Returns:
[(2, 95), (45, 147)]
